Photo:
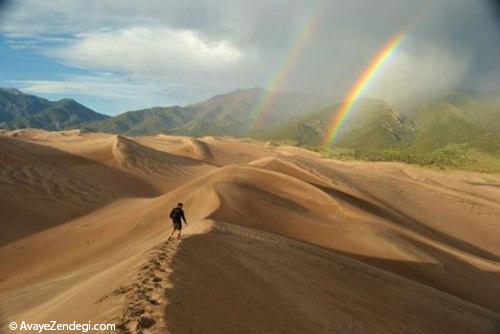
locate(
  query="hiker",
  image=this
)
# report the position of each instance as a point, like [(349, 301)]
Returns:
[(177, 214)]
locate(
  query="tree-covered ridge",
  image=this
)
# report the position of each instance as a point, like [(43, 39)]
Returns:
[(19, 110)]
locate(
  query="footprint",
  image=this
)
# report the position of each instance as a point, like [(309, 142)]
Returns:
[(145, 295)]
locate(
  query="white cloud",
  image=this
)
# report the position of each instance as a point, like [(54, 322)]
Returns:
[(104, 85), (78, 86), (149, 51), (23, 44), (111, 93)]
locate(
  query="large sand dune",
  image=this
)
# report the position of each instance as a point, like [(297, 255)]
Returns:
[(279, 239)]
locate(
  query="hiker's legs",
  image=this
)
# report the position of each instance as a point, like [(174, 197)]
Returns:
[(172, 235), (177, 228)]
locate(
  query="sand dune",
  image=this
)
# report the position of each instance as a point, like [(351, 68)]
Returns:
[(43, 186), (183, 146), (279, 239)]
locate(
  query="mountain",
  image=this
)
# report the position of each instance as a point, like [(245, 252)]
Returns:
[(19, 110), (374, 125), (249, 111), (480, 108), (442, 124), (458, 117), (453, 118), (145, 121), (236, 114)]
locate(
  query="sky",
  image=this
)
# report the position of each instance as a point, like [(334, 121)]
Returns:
[(114, 56)]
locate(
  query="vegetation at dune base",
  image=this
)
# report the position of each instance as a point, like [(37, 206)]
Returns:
[(452, 157), (456, 157)]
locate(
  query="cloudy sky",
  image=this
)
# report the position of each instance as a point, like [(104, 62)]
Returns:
[(115, 56)]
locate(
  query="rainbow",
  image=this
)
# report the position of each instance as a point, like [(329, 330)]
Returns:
[(382, 56), (292, 56)]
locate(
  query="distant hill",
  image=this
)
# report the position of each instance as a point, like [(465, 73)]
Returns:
[(441, 124), (145, 121), (458, 117), (233, 114), (453, 118), (19, 110), (240, 112), (374, 125)]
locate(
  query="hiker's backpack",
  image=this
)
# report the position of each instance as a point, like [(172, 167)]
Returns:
[(176, 213)]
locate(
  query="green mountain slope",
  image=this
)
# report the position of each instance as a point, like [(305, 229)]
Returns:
[(19, 110), (145, 121), (458, 117), (453, 118), (373, 125), (481, 109), (442, 124), (235, 114)]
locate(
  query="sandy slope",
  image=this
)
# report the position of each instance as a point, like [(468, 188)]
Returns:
[(299, 243), (272, 284)]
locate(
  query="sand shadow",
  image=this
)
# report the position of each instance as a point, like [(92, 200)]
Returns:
[(387, 212), (448, 274), (219, 285)]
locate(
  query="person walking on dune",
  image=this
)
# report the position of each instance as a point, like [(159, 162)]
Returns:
[(177, 215)]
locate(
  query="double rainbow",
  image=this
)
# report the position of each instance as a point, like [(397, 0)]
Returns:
[(301, 41), (375, 65)]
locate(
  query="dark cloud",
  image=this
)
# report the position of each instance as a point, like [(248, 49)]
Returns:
[(495, 4), (4, 4)]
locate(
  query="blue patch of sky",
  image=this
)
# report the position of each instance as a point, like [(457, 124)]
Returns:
[(18, 64)]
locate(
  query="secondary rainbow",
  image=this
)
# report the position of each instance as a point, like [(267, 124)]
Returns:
[(299, 43), (382, 56)]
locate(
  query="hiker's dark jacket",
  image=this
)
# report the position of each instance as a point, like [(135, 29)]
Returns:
[(176, 214)]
